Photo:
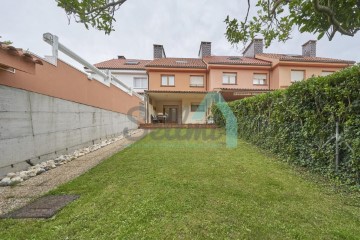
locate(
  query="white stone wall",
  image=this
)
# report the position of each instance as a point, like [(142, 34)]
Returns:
[(36, 127)]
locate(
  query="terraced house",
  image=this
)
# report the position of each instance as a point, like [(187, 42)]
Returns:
[(177, 86)]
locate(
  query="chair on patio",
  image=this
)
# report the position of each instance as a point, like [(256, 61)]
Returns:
[(162, 117), (154, 119)]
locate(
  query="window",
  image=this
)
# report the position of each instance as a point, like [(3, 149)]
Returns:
[(326, 73), (297, 75), (181, 61), (167, 80), (229, 78), (196, 81), (259, 79), (235, 58), (132, 62), (197, 107), (140, 82)]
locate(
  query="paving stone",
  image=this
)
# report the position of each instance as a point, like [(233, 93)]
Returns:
[(44, 207)]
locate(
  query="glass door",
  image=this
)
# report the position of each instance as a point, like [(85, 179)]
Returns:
[(172, 113)]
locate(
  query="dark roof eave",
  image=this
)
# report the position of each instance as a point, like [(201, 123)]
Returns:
[(224, 63), (172, 91), (247, 89), (121, 68), (157, 66)]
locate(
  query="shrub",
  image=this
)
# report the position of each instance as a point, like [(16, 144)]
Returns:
[(299, 123)]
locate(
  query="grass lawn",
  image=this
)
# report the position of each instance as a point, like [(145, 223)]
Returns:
[(179, 188)]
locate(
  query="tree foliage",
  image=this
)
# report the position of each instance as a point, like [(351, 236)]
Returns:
[(299, 123), (275, 20), (98, 14)]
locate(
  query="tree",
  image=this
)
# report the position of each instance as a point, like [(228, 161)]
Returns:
[(275, 20), (97, 13)]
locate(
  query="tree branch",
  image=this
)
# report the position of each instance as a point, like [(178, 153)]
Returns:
[(276, 4), (248, 10), (330, 36), (327, 11), (112, 4)]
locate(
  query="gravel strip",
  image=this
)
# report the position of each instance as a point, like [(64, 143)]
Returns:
[(13, 197)]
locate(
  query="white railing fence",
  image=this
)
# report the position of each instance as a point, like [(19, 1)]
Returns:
[(106, 78)]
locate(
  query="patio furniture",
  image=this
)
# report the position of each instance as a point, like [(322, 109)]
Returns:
[(162, 117), (154, 119)]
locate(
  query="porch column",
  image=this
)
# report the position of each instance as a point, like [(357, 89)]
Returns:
[(146, 98)]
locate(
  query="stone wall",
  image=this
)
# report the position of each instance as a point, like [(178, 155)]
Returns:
[(309, 49), (205, 49), (36, 127)]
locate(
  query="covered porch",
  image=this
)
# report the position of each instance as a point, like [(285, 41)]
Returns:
[(177, 107)]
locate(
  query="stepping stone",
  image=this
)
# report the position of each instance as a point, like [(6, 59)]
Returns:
[(44, 207)]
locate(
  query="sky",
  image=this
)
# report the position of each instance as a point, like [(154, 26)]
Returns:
[(179, 25)]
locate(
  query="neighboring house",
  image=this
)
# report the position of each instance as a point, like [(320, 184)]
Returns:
[(257, 72), (289, 68), (130, 71), (177, 86)]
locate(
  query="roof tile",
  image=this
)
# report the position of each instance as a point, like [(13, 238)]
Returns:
[(18, 51), (235, 60), (122, 64), (177, 63), (300, 58)]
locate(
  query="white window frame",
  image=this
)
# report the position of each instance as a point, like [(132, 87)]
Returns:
[(199, 107), (167, 79), (228, 77), (144, 79), (194, 78), (326, 73), (296, 78), (257, 80)]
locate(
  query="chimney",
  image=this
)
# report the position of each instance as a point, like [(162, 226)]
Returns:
[(309, 49), (255, 47), (121, 57), (159, 51), (205, 49)]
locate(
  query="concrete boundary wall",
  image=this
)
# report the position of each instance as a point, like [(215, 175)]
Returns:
[(38, 127)]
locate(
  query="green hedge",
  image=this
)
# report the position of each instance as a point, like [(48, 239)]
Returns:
[(298, 123)]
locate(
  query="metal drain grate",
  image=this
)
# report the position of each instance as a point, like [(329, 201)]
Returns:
[(44, 207)]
